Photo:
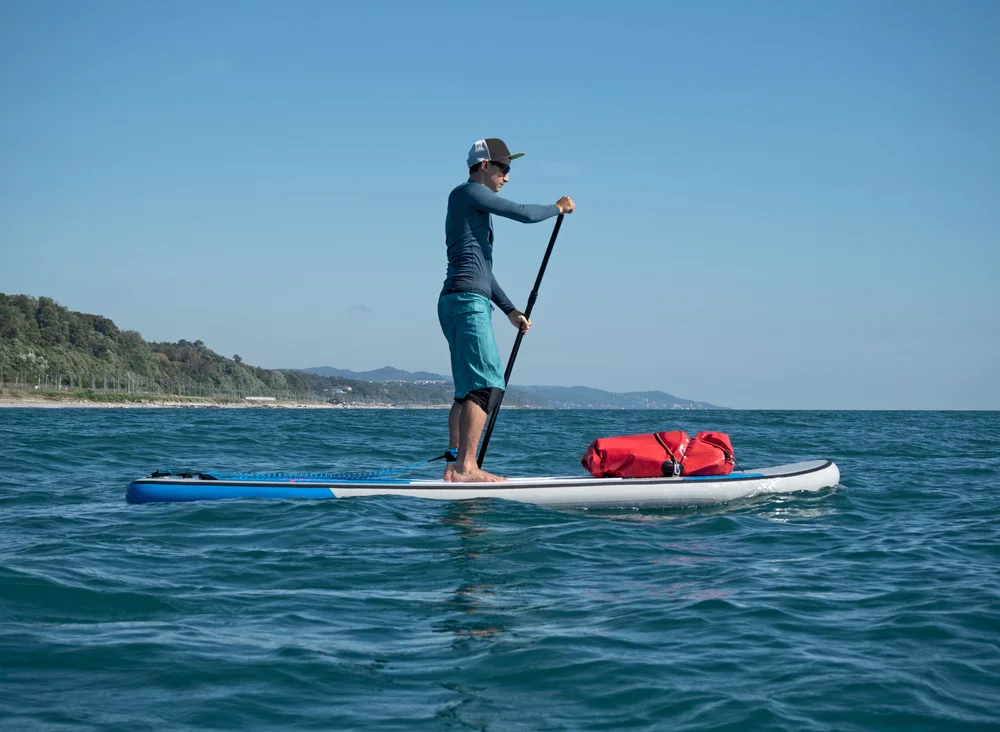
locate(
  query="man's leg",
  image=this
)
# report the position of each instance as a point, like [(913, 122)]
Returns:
[(454, 417), (472, 420), (465, 321)]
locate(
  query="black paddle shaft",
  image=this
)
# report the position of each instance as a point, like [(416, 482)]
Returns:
[(517, 341)]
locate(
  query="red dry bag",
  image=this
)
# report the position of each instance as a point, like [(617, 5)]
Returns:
[(658, 454)]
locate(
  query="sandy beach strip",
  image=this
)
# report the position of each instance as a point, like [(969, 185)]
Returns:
[(56, 403), (18, 402)]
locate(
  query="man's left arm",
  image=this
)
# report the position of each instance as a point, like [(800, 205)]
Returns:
[(500, 297), (515, 316)]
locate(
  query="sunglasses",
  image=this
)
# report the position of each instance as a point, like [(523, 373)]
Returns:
[(504, 168)]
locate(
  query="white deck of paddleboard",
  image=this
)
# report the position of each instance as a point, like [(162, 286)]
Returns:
[(618, 492)]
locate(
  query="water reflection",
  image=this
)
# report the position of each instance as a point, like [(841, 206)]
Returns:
[(476, 597)]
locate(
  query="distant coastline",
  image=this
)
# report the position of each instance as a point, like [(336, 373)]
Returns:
[(50, 355), (26, 400)]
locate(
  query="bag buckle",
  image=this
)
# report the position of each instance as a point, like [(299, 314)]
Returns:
[(671, 468)]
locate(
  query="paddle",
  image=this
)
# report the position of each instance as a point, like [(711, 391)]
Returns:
[(517, 342)]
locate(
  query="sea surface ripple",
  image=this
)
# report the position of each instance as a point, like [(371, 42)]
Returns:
[(874, 605)]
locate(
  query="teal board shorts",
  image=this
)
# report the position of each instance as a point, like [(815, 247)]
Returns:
[(467, 323)]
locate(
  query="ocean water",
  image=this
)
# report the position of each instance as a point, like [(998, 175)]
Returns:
[(871, 606)]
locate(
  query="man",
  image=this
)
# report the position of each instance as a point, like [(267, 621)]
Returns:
[(464, 305)]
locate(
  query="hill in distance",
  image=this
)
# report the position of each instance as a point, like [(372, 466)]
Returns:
[(554, 397), (386, 373), (583, 397)]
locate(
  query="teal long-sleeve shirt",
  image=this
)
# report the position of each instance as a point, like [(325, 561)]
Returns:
[(469, 236)]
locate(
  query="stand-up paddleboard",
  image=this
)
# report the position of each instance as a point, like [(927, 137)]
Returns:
[(569, 492)]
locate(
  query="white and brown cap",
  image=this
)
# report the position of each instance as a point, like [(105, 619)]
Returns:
[(492, 148)]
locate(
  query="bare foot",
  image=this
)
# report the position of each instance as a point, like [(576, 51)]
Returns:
[(449, 473), (476, 476)]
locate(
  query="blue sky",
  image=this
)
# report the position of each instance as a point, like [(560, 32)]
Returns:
[(780, 204)]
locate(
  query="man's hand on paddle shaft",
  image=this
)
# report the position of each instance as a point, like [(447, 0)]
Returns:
[(518, 320), (566, 205)]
